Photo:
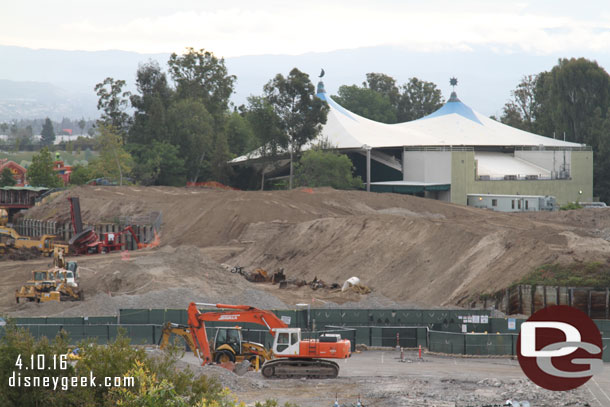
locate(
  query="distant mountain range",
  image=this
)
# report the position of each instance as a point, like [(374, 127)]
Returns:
[(57, 84)]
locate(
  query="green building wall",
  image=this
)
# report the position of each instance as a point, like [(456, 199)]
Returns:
[(578, 188)]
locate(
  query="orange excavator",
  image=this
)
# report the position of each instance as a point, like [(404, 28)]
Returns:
[(293, 356)]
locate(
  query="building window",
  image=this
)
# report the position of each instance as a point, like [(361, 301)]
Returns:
[(519, 203), (527, 206), (494, 202), (512, 204)]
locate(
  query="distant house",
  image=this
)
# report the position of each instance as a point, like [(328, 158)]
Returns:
[(17, 170), (63, 171)]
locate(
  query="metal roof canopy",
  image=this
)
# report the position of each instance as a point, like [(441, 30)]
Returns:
[(408, 187), (33, 189)]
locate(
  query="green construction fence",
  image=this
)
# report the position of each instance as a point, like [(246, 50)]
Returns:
[(470, 332), (476, 320)]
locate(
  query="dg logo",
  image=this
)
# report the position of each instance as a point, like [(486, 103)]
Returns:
[(560, 348)]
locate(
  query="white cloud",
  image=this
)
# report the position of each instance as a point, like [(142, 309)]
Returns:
[(254, 28)]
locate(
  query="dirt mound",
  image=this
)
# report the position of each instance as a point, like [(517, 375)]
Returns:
[(165, 278), (407, 249)]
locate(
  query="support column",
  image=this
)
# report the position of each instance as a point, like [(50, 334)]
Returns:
[(607, 302), (368, 167), (404, 166)]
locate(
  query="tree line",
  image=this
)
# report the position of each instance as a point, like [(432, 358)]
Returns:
[(571, 102), (180, 125), (184, 128), (20, 133)]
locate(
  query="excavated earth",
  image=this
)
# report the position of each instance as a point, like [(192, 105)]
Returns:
[(410, 251)]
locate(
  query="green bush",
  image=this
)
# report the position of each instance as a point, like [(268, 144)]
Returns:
[(158, 382), (323, 168), (570, 206), (591, 274)]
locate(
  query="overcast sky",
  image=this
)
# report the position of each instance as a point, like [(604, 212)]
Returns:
[(250, 27)]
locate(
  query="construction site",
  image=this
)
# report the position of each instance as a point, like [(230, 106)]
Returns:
[(391, 300)]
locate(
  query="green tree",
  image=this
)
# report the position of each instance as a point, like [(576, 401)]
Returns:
[(113, 102), (150, 104), (240, 135), (301, 114), (418, 99), (80, 175), (40, 172), (574, 88), (267, 129), (114, 161), (326, 168), (191, 129), (47, 135), (81, 124), (367, 103), (201, 76), (266, 126), (385, 85), (520, 111), (380, 99), (158, 164), (6, 178), (574, 98)]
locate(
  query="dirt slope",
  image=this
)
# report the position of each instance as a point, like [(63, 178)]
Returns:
[(407, 249)]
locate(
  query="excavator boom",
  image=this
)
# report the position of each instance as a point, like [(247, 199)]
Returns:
[(294, 357), (241, 313)]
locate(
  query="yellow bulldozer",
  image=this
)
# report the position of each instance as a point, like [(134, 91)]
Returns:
[(56, 284), (228, 345)]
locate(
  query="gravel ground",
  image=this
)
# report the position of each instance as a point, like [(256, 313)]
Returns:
[(380, 379)]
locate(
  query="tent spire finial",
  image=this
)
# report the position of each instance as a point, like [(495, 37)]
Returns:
[(320, 89), (453, 82)]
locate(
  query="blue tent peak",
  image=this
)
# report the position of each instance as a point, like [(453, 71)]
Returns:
[(454, 105), (322, 95)]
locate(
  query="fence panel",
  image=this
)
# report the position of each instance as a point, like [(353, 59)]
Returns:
[(444, 342), (98, 332), (134, 316)]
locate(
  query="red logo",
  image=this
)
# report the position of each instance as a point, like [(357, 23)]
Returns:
[(560, 348)]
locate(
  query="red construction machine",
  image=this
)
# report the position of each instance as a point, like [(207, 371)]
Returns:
[(293, 356), (86, 241)]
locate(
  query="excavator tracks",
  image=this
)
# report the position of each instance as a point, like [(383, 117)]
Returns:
[(299, 368)]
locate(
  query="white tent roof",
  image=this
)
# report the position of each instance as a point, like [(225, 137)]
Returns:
[(454, 124)]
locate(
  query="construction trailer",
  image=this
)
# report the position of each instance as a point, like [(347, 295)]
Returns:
[(512, 203)]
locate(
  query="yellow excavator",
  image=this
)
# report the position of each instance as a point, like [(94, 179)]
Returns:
[(228, 345)]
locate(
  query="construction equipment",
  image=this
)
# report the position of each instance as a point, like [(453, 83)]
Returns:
[(180, 330), (228, 345), (11, 240), (293, 356), (86, 241), (56, 284)]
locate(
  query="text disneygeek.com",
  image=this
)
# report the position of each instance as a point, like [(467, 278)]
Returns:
[(39, 363)]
